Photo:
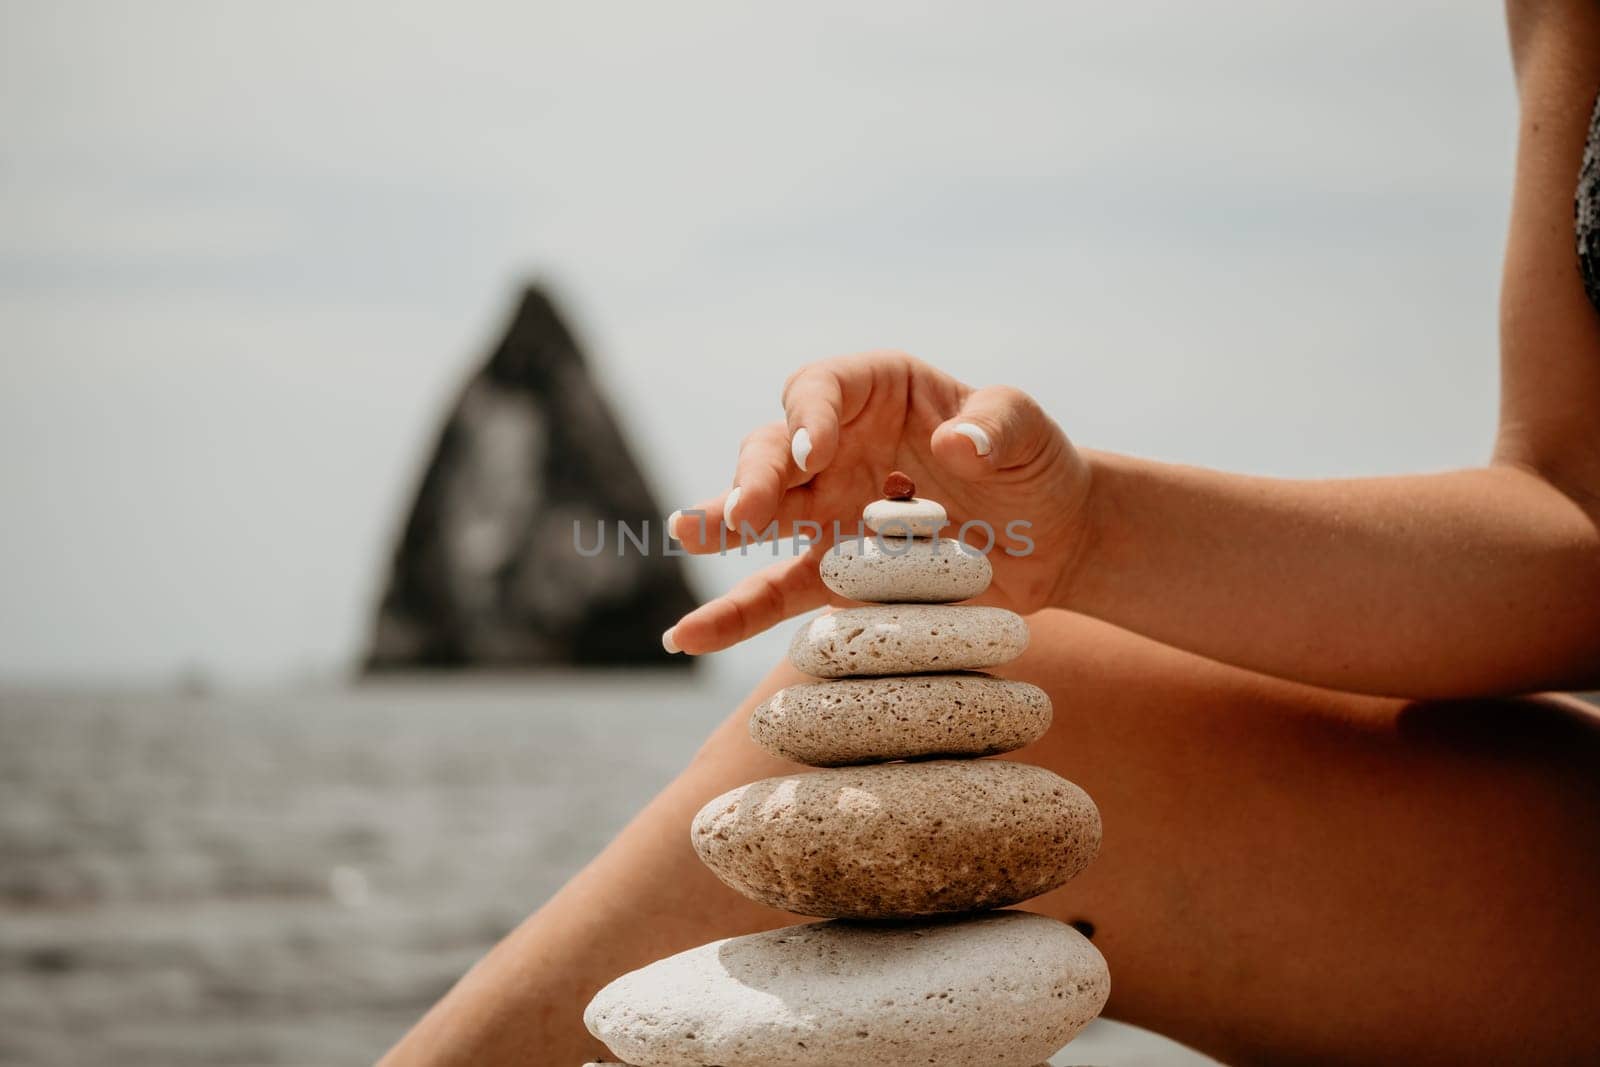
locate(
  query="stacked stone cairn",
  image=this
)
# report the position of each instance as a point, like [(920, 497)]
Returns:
[(905, 841)]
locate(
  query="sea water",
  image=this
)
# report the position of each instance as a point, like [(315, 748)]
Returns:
[(293, 877)]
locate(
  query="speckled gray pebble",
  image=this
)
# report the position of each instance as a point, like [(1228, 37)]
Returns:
[(896, 840), (895, 570), (871, 720), (907, 639), (905, 518), (1006, 989)]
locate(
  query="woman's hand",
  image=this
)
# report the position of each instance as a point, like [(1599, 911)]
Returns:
[(985, 454)]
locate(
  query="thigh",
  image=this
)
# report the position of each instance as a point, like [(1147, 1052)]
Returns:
[(1294, 875), (1288, 875)]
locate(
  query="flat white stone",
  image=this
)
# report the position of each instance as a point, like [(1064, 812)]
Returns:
[(902, 570), (907, 639), (1000, 989), (916, 517)]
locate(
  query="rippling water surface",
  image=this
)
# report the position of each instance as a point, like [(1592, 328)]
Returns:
[(292, 878)]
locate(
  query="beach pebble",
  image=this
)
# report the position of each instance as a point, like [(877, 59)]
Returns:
[(872, 720), (916, 517), (899, 486), (895, 570), (1006, 989), (907, 639), (897, 840)]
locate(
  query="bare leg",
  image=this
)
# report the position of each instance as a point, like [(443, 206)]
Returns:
[(1289, 874)]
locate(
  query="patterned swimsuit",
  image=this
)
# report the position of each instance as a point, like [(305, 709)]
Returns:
[(1588, 210)]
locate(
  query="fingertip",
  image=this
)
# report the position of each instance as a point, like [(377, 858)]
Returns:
[(699, 632), (729, 504), (800, 448), (758, 501), (1001, 427), (696, 528), (816, 442), (963, 447), (982, 444), (812, 403)]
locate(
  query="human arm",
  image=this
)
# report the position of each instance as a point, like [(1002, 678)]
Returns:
[(1468, 582), (1476, 581)]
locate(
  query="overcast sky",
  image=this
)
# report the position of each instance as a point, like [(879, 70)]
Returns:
[(248, 250)]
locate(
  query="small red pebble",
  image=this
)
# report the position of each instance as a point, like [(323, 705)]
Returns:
[(899, 487)]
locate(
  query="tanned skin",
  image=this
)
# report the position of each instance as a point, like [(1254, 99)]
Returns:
[(1334, 834)]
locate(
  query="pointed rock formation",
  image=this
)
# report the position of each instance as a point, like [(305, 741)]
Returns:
[(488, 571)]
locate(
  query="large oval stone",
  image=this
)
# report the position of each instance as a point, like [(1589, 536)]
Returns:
[(915, 716), (907, 639), (903, 570), (900, 839), (1006, 989)]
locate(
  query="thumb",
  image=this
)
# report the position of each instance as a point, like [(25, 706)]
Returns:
[(998, 428)]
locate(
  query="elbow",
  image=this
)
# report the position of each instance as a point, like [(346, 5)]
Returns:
[(1556, 515), (1566, 462), (1572, 637)]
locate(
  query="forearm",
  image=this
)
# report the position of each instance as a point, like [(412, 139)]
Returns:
[(1465, 583)]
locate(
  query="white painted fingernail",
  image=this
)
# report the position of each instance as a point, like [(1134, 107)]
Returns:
[(974, 433), (668, 643), (800, 447), (672, 523), (728, 506)]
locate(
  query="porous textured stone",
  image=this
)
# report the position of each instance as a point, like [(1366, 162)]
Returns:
[(899, 840), (871, 720), (907, 639), (1006, 989), (906, 570), (905, 518)]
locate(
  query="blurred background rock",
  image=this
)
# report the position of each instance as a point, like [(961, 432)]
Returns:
[(534, 540), (250, 253)]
